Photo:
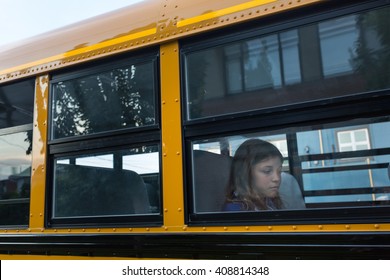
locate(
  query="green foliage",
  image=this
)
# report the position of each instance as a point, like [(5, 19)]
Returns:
[(372, 59)]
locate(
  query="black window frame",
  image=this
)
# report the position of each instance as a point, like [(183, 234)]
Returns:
[(106, 141), (370, 104)]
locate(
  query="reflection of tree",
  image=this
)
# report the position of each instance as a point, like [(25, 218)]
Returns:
[(137, 99), (67, 112), (117, 99), (372, 58), (28, 139)]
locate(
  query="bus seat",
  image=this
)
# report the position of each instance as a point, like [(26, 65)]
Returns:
[(290, 193), (154, 197), (210, 177), (93, 191), (135, 190)]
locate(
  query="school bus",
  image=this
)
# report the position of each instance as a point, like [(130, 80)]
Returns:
[(117, 133)]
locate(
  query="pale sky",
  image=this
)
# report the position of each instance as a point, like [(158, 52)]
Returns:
[(20, 19)]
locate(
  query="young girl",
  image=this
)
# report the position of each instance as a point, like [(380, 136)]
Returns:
[(255, 177)]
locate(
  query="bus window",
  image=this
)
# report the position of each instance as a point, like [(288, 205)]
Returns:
[(339, 165), (288, 67), (104, 146), (112, 183), (126, 95), (321, 116), (16, 117)]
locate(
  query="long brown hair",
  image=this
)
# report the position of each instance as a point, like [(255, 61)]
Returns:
[(239, 188)]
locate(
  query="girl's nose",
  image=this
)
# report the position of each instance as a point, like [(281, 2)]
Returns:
[(277, 176)]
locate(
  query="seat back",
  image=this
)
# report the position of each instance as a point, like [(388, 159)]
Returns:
[(290, 193), (93, 191), (210, 177)]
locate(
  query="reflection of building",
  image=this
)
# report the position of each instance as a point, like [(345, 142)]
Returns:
[(16, 186), (15, 175), (288, 67)]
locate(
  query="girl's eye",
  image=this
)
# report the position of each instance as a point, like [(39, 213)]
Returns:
[(266, 171)]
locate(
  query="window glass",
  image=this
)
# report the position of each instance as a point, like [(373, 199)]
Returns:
[(15, 177), (292, 66), (340, 32), (116, 183), (233, 68), (116, 99), (346, 165), (16, 104), (337, 165), (16, 117), (290, 57)]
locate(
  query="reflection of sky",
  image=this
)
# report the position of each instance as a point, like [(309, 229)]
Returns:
[(26, 18), (141, 163), (13, 158)]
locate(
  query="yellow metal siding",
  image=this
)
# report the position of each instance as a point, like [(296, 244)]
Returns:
[(38, 176), (171, 136)]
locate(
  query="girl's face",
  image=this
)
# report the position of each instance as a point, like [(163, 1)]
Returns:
[(266, 177)]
